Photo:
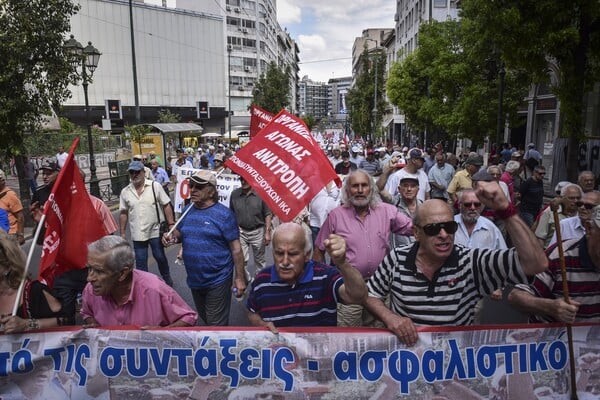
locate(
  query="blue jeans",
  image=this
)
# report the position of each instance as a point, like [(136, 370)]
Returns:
[(213, 303), (158, 251)]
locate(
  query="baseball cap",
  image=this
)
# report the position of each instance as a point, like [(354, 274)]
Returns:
[(137, 157), (516, 154), (409, 179), (135, 166), (203, 177), (531, 145), (355, 149), (415, 153), (396, 154), (50, 165), (179, 150), (2, 175), (474, 160), (218, 157), (560, 185), (336, 147), (370, 151), (482, 176)]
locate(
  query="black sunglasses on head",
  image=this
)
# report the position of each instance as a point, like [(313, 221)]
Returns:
[(587, 206), (434, 229)]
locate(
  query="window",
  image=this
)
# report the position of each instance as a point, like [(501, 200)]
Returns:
[(440, 3)]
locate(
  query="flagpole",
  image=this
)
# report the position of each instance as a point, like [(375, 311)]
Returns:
[(38, 229)]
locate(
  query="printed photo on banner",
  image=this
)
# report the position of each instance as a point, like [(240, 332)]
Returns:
[(226, 183)]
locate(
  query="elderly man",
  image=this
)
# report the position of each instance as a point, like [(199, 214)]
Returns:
[(440, 175), (365, 223), (390, 178), (544, 298), (532, 195), (508, 177), (371, 164), (587, 181), (566, 202), (211, 250), (463, 179), (475, 231), (119, 294), (160, 175), (574, 227), (143, 204), (297, 291), (434, 282), (406, 201), (345, 166), (254, 219)]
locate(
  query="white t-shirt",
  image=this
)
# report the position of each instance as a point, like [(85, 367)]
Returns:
[(61, 158), (394, 180)]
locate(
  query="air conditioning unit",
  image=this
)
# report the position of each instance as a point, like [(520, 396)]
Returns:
[(247, 68), (245, 30), (237, 9), (228, 8), (241, 88)]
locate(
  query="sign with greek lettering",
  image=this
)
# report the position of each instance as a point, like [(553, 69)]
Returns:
[(513, 362), (259, 118), (226, 183), (285, 165)]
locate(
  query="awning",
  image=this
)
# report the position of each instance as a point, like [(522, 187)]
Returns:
[(179, 127)]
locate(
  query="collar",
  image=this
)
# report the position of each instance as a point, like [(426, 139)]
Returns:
[(411, 258), (306, 276)]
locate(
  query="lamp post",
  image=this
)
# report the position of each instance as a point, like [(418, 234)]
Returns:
[(229, 48), (500, 127), (373, 135), (87, 58)]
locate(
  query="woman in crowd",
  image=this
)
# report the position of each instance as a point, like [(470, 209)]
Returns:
[(38, 309)]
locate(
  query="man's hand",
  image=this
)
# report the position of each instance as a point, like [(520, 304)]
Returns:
[(492, 195), (566, 312), (13, 324), (272, 327), (36, 211), (403, 328), (239, 286), (336, 247)]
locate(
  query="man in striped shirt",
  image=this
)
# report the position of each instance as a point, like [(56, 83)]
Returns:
[(544, 299), (435, 282), (297, 291)]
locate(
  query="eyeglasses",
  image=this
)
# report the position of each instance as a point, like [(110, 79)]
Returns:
[(196, 185), (587, 206), (434, 229), (134, 172), (471, 204)]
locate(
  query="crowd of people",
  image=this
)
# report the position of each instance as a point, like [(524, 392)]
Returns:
[(414, 237)]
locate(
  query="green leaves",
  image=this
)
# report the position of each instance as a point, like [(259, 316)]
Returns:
[(272, 89)]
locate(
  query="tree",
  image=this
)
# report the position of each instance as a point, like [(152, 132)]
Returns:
[(446, 84), (536, 35), (166, 116), (272, 91), (361, 98), (310, 121), (138, 133), (34, 72)]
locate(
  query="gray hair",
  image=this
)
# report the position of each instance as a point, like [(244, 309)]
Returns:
[(119, 253), (374, 197), (292, 226), (461, 194), (563, 191), (512, 166), (491, 167)]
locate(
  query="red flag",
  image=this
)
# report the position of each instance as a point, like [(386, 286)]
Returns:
[(285, 165), (71, 223), (259, 118)]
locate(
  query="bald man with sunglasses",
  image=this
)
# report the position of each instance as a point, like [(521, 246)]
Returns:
[(434, 282)]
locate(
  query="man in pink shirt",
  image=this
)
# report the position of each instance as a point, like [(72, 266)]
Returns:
[(118, 294), (366, 224)]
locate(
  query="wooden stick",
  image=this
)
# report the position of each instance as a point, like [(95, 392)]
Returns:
[(565, 287)]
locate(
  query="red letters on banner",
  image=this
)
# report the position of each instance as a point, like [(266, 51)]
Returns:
[(285, 165), (259, 118)]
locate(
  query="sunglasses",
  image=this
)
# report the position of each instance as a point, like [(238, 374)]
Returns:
[(196, 185), (471, 204), (587, 206), (434, 229)]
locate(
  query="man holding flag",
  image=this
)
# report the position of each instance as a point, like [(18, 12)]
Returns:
[(72, 221)]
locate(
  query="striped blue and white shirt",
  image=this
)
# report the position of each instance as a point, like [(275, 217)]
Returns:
[(450, 297)]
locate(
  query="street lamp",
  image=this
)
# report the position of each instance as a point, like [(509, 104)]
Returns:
[(87, 58), (229, 48), (374, 133)]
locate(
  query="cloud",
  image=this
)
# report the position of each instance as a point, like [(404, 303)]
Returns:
[(288, 13), (326, 30)]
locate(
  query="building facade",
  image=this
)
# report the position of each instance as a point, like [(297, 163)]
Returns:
[(313, 98)]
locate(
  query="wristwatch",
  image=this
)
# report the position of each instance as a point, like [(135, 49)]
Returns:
[(33, 325)]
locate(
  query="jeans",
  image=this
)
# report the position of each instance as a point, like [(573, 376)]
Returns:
[(158, 251), (213, 303)]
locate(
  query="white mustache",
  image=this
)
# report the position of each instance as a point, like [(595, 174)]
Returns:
[(285, 266)]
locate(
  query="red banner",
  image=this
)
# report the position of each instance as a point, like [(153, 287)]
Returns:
[(285, 165), (259, 118), (71, 223)]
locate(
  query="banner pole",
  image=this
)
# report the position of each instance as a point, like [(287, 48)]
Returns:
[(565, 287), (27, 263)]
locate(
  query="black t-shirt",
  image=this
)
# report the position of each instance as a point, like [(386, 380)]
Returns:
[(40, 196), (35, 305), (532, 196)]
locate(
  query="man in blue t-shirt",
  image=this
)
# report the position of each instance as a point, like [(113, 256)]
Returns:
[(210, 240), (297, 291)]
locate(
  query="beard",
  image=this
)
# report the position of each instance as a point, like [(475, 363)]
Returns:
[(359, 201)]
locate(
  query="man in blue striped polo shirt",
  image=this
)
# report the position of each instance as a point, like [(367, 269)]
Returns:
[(297, 291)]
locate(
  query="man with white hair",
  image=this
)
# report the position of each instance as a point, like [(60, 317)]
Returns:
[(567, 207), (366, 224), (508, 176)]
